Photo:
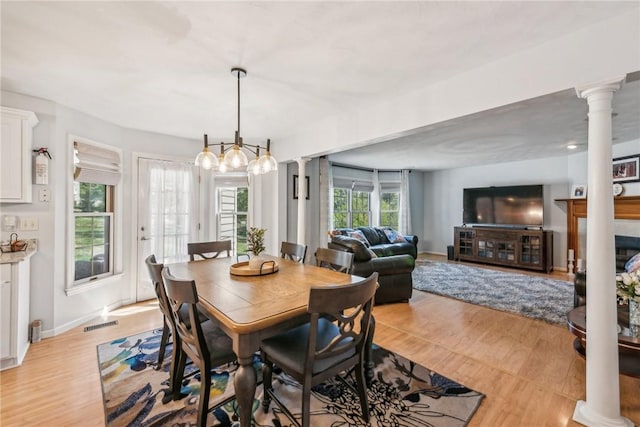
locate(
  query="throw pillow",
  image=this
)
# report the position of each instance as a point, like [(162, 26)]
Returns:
[(332, 233), (633, 264), (394, 236), (357, 234)]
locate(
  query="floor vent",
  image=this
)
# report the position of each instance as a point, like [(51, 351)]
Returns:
[(100, 325)]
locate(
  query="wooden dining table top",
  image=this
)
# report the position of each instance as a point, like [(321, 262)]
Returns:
[(246, 304)]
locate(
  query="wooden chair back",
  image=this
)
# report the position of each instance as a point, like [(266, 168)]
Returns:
[(208, 250), (293, 251), (203, 342), (335, 260), (155, 272), (336, 339), (349, 306), (184, 293)]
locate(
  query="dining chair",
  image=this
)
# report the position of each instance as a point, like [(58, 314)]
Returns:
[(332, 342), (203, 342), (334, 259), (208, 250), (168, 325), (293, 251)]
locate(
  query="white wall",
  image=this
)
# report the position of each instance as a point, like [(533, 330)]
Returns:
[(49, 301), (443, 194)]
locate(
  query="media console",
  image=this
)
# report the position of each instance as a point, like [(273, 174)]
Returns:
[(511, 247)]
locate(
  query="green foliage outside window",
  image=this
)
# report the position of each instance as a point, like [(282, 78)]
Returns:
[(232, 222), (389, 209), (92, 241), (350, 208), (340, 208)]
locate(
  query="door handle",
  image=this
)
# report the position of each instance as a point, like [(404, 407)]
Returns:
[(145, 238)]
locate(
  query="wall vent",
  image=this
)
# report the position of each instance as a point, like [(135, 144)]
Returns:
[(100, 325)]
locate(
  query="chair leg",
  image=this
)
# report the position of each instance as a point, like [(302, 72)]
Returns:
[(178, 374), (205, 390), (267, 369), (163, 343), (362, 391), (306, 403)]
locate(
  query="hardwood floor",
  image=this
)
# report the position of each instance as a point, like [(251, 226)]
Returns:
[(526, 368)]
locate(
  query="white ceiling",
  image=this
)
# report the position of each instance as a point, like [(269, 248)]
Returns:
[(164, 67)]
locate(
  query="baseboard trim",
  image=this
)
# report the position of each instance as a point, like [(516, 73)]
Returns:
[(49, 333)]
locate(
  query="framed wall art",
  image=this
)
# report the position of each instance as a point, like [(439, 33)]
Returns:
[(626, 169), (295, 186), (578, 191)]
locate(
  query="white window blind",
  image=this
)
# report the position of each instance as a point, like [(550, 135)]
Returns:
[(390, 181), (96, 164), (231, 180), (352, 179)]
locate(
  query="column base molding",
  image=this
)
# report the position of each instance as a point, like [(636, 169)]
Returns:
[(586, 417)]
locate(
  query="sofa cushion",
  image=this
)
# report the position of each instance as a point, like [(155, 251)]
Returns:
[(360, 251), (390, 265), (374, 235), (390, 249)]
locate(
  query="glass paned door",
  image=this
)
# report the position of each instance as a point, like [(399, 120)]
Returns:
[(167, 215)]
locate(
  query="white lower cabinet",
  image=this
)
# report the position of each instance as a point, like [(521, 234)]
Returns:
[(14, 313)]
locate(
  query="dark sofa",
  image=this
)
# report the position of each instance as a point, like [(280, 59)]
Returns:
[(394, 262)]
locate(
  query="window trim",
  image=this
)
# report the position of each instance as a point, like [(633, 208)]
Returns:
[(71, 286), (109, 273)]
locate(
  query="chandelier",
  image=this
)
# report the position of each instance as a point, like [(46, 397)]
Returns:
[(233, 157)]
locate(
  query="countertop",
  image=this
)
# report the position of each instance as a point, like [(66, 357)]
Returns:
[(11, 257)]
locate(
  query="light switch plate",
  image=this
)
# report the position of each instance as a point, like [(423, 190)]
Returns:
[(28, 224)]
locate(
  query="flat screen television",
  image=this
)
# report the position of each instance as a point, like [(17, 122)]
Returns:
[(512, 206)]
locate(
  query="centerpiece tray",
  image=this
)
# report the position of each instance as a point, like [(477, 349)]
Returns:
[(242, 269)]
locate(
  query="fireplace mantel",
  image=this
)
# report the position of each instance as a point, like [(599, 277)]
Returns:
[(624, 208)]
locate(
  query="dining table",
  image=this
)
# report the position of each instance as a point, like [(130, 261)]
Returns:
[(250, 308)]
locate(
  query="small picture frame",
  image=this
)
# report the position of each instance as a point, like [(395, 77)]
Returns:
[(579, 191), (295, 187), (626, 169)]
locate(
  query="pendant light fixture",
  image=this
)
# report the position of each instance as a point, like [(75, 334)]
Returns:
[(234, 157)]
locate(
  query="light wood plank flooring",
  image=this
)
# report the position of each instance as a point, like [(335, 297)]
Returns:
[(526, 368)]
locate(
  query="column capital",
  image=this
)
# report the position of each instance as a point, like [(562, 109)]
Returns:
[(302, 160), (609, 85)]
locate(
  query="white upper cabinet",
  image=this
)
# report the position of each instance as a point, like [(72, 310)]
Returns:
[(15, 155)]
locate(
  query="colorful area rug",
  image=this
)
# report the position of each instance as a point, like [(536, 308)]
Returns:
[(532, 296), (403, 393)]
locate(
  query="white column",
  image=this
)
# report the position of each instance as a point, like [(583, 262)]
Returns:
[(602, 406), (302, 198)]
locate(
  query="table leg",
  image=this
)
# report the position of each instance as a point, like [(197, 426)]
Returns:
[(245, 387)]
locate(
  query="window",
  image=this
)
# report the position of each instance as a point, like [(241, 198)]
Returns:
[(341, 207), (350, 208), (389, 209), (233, 210), (359, 208), (93, 219)]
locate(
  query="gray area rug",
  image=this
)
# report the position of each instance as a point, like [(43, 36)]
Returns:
[(532, 296)]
